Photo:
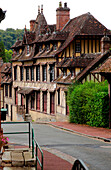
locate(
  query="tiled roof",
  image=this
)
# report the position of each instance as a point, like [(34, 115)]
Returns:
[(40, 24), (28, 37), (64, 79), (44, 53), (25, 57), (84, 24), (6, 73), (18, 43), (95, 63), (58, 36), (81, 61), (105, 67)]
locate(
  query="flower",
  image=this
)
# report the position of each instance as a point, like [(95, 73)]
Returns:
[(3, 140)]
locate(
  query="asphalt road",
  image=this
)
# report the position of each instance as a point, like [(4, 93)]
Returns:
[(95, 153)]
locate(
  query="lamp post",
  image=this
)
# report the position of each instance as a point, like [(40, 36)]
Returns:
[(2, 16)]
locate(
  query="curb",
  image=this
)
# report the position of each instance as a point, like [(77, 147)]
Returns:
[(69, 130)]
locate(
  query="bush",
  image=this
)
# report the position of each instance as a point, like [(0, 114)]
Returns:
[(89, 103)]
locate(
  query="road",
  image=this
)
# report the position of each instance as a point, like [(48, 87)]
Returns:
[(95, 153)]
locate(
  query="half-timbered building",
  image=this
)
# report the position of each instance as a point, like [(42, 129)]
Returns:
[(49, 58)]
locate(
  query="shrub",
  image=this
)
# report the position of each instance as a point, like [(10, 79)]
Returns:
[(88, 103)]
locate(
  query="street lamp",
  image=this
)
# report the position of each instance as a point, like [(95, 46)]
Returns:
[(2, 16)]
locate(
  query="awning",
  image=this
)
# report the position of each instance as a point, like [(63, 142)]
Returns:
[(25, 90)]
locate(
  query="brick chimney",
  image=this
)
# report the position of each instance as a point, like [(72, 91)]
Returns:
[(105, 43), (32, 22), (62, 16)]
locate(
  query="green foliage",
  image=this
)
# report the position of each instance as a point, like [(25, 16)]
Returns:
[(8, 55), (10, 35), (89, 103), (5, 54), (2, 51)]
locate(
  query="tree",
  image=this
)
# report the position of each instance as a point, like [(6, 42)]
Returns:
[(9, 36), (2, 51), (8, 55)]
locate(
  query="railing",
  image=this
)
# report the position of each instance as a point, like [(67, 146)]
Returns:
[(23, 132), (37, 147), (36, 153), (79, 165)]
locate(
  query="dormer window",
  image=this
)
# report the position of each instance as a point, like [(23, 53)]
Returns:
[(55, 47), (40, 48), (72, 73), (17, 52), (78, 47), (47, 47), (27, 49), (64, 73)]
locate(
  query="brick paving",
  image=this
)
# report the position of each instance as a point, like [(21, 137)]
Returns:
[(51, 161), (100, 133)]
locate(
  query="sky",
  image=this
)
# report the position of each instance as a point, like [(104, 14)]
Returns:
[(20, 12)]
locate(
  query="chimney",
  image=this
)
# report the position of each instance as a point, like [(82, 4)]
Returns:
[(62, 16), (32, 22), (105, 43), (41, 9), (38, 9)]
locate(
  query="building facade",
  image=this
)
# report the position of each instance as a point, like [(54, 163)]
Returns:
[(49, 59)]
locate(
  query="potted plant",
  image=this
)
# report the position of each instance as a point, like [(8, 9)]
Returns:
[(3, 141)]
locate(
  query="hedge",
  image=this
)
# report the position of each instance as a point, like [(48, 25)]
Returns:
[(89, 103)]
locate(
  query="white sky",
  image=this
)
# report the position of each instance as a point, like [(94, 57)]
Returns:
[(20, 12)]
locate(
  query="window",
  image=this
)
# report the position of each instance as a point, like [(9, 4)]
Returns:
[(45, 102), (78, 47), (32, 73), (27, 49), (52, 73), (27, 73), (40, 48), (17, 52), (72, 73), (64, 73), (15, 73), (21, 73), (32, 100), (10, 91), (58, 96), (55, 46), (47, 47), (37, 73), (38, 100), (44, 73), (6, 90)]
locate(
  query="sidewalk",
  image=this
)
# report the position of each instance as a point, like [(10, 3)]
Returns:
[(51, 161), (94, 132)]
